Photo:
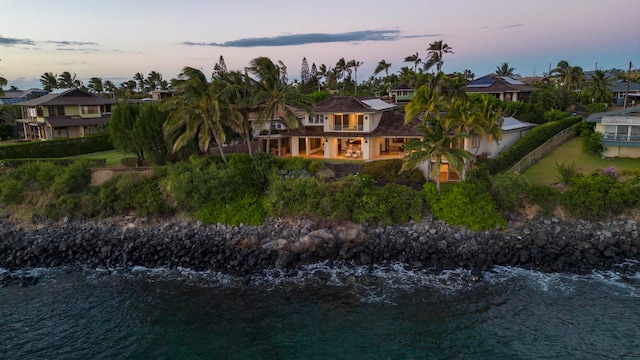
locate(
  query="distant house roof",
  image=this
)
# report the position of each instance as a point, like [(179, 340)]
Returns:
[(280, 113), (497, 83), (630, 111), (511, 123), (402, 86), (351, 104), (608, 75), (15, 96), (533, 80), (68, 97), (621, 85)]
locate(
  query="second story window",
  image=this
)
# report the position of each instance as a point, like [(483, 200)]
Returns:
[(89, 110), (55, 110)]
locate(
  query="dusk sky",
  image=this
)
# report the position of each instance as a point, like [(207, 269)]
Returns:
[(117, 38)]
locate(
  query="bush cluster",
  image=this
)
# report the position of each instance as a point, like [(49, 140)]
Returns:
[(467, 204), (133, 192), (388, 172), (355, 197), (599, 194)]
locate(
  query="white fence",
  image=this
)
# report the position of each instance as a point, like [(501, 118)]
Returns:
[(542, 150)]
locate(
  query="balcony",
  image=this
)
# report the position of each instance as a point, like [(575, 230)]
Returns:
[(621, 140)]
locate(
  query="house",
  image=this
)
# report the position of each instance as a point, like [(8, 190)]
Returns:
[(352, 128), (280, 145), (619, 90), (158, 95), (64, 113), (402, 93), (502, 87), (14, 96), (620, 131), (533, 80)]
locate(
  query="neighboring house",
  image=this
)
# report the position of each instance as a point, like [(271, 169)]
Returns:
[(533, 80), (620, 131), (502, 87), (280, 145), (12, 97), (619, 89), (158, 95), (64, 113), (402, 93)]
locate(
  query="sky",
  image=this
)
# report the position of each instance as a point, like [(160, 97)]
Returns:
[(116, 39)]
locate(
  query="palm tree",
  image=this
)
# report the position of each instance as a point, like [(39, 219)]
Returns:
[(597, 89), (140, 80), (487, 116), (96, 86), (3, 82), (505, 70), (571, 76), (238, 89), (436, 51), (273, 94), (154, 81), (195, 112), (415, 59), (68, 81), (383, 65), (109, 87), (355, 65), (453, 87), (468, 75), (440, 135), (49, 81)]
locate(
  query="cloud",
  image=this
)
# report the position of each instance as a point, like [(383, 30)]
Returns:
[(71, 43), (13, 41), (511, 26), (315, 38)]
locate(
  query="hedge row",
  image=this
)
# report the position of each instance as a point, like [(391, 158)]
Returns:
[(13, 163), (57, 148), (529, 142)]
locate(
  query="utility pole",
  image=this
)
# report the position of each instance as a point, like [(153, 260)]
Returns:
[(626, 94)]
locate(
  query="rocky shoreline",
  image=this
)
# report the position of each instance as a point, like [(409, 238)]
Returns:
[(543, 244)]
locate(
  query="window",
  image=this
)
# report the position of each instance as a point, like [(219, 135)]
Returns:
[(55, 110), (89, 110), (635, 134), (318, 119), (360, 122), (337, 122), (315, 143)]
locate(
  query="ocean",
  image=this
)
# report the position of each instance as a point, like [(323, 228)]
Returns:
[(321, 311)]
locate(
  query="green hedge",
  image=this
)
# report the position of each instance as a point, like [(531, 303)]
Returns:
[(529, 142), (13, 163), (57, 148)]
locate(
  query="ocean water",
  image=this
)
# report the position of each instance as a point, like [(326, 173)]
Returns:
[(320, 312)]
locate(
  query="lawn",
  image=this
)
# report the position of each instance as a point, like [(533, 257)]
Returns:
[(545, 171), (113, 157)]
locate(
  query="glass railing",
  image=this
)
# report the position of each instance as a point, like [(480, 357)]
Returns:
[(621, 138)]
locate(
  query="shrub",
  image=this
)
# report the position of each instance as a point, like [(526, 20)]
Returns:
[(301, 196), (598, 195), (592, 142), (593, 108), (388, 172), (467, 204), (509, 190), (567, 171), (555, 115), (246, 210), (75, 178), (133, 192)]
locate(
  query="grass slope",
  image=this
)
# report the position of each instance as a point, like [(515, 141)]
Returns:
[(545, 171)]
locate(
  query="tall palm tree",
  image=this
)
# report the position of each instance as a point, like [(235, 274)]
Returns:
[(96, 86), (436, 51), (3, 82), (488, 118), (355, 64), (440, 135), (468, 75), (453, 87), (140, 81), (109, 88), (505, 70), (237, 92), (49, 81), (597, 89), (68, 81), (196, 112), (273, 94), (415, 59), (383, 65)]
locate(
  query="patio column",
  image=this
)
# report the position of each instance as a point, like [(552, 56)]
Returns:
[(294, 146)]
